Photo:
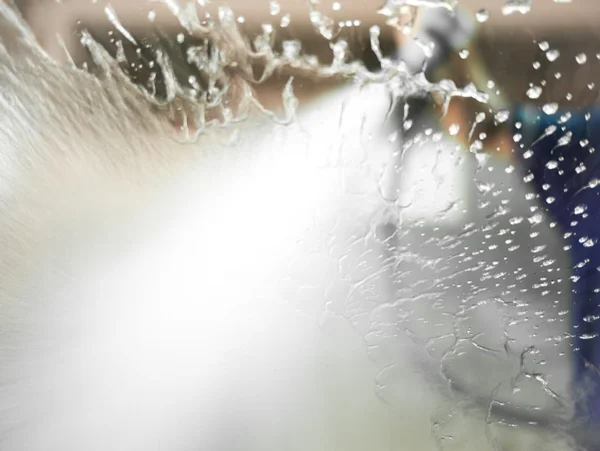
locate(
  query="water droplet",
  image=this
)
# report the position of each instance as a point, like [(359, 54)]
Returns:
[(528, 154), (550, 108), (285, 20), (537, 218), (564, 118), (152, 16), (482, 15), (516, 6), (502, 116), (552, 55), (565, 140), (464, 54), (534, 92), (544, 46), (291, 49), (454, 129), (274, 8), (325, 25), (552, 164), (581, 58), (579, 209), (550, 200), (339, 52), (536, 65), (336, 6)]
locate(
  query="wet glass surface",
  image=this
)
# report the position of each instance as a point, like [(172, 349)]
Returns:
[(304, 226)]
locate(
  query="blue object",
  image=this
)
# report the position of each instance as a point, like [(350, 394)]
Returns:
[(562, 153)]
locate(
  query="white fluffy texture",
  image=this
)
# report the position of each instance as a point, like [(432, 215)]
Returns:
[(148, 289)]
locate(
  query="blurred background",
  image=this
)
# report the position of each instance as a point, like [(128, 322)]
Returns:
[(507, 41)]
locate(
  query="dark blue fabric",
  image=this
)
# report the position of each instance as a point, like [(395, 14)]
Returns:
[(572, 146)]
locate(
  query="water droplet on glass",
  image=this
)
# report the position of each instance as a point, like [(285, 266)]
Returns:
[(566, 139), (325, 25), (152, 16), (591, 318), (464, 54), (537, 218), (482, 15), (550, 108), (336, 6), (516, 6), (528, 154), (291, 49), (274, 8), (502, 116), (579, 209), (552, 164), (552, 55), (285, 20), (544, 46), (454, 129), (534, 92), (536, 65), (581, 58), (339, 52)]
